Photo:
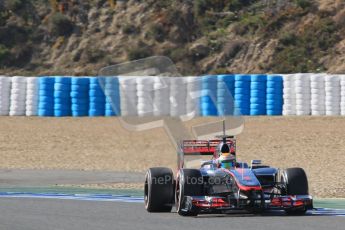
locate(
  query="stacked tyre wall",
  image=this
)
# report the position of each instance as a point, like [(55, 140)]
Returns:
[(212, 95)]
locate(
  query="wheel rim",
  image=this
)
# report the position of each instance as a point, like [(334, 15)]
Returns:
[(146, 193)]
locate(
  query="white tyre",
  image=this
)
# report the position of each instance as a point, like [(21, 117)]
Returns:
[(289, 107), (301, 77), (318, 91), (4, 113), (334, 93), (303, 102), (332, 84), (332, 78), (301, 90), (302, 112), (332, 113), (303, 97), (317, 103), (317, 97), (145, 80), (18, 80), (17, 113), (318, 113), (148, 88), (303, 107), (317, 85), (305, 85)]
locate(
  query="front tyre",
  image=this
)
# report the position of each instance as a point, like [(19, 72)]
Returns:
[(296, 183), (159, 190), (189, 183)]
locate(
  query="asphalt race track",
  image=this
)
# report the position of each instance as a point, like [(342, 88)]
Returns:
[(46, 214), (25, 208)]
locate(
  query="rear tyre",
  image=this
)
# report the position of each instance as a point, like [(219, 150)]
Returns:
[(189, 183), (296, 183), (159, 190)]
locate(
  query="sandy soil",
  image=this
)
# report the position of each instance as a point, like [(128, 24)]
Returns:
[(316, 144)]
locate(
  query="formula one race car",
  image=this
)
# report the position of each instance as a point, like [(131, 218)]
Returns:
[(223, 185)]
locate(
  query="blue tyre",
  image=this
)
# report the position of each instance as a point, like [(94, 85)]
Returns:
[(96, 80), (62, 107), (62, 113), (46, 80), (79, 94), (257, 100), (46, 99), (78, 88), (257, 112), (242, 84), (62, 87), (242, 77), (274, 78), (242, 97), (259, 77), (258, 106), (109, 113), (80, 81), (274, 102), (225, 92), (258, 85), (278, 91), (274, 84), (45, 113), (97, 107), (63, 80), (97, 99), (95, 87), (274, 107), (96, 93), (96, 113), (274, 112), (46, 92), (82, 113)]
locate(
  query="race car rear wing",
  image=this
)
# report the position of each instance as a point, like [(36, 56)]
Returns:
[(191, 148), (204, 147)]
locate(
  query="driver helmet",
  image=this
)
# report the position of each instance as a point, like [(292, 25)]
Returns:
[(226, 160)]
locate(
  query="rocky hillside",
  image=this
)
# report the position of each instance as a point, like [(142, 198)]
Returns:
[(75, 37)]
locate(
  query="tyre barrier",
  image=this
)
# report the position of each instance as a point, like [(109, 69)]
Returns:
[(193, 85), (128, 96), (32, 88), (332, 99), (79, 94), (5, 94), (161, 96), (258, 94), (225, 92), (112, 96), (46, 96), (208, 97), (62, 99), (178, 95), (242, 94), (274, 92), (342, 94), (212, 95), (318, 95), (303, 94), (18, 96), (289, 95), (96, 98)]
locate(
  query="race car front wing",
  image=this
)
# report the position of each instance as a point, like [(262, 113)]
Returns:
[(211, 204)]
